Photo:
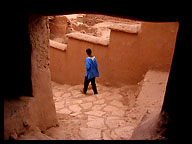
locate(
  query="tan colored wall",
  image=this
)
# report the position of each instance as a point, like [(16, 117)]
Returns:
[(44, 106), (134, 54), (125, 60), (69, 66), (37, 112)]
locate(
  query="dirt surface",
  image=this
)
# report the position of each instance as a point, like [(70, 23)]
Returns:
[(113, 114)]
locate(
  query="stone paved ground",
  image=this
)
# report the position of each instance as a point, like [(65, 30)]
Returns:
[(92, 117), (113, 114)]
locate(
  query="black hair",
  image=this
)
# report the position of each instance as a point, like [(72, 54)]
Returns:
[(88, 51)]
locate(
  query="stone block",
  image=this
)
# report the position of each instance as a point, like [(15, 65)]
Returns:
[(75, 108), (90, 133), (95, 113), (98, 123), (98, 107), (124, 132), (109, 108), (86, 105)]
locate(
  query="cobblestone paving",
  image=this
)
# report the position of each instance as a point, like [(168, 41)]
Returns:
[(113, 114), (93, 117)]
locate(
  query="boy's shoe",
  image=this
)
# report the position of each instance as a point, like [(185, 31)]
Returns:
[(82, 91)]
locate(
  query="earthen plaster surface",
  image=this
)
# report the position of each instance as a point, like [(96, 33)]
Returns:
[(125, 60), (36, 112)]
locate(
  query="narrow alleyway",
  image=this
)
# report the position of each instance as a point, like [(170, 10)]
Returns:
[(111, 115), (89, 116)]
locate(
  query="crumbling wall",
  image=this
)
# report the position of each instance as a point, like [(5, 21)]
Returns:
[(92, 19), (63, 24), (37, 112), (84, 28), (59, 26)]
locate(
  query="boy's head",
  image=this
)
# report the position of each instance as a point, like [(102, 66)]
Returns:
[(88, 51)]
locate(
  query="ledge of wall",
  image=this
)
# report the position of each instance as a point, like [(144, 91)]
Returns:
[(57, 45), (133, 28), (89, 38)]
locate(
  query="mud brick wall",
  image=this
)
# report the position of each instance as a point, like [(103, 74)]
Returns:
[(124, 61)]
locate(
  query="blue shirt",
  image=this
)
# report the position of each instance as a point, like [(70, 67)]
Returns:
[(91, 67)]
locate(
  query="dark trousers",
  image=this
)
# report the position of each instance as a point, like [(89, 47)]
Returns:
[(86, 84)]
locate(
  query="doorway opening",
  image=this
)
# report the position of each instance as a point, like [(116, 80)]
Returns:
[(120, 106), (19, 67)]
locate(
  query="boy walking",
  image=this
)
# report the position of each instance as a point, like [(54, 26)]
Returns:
[(91, 72)]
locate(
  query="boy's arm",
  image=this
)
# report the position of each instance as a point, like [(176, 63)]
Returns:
[(87, 64), (96, 66)]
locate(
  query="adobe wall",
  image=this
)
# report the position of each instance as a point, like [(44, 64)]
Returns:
[(37, 112), (124, 61), (69, 66), (58, 26), (44, 106), (132, 55)]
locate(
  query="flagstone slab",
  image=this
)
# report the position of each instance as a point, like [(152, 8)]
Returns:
[(101, 101), (109, 108), (93, 118), (86, 105), (98, 107), (103, 95), (59, 105), (76, 114), (64, 111), (58, 99), (112, 117), (75, 108), (79, 95), (114, 123), (75, 92), (116, 103), (90, 133), (114, 136), (75, 101), (95, 113), (106, 135), (99, 123), (89, 99), (120, 113), (66, 95), (57, 93), (124, 132)]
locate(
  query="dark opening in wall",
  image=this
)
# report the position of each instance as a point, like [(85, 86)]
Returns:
[(19, 58), (20, 64)]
